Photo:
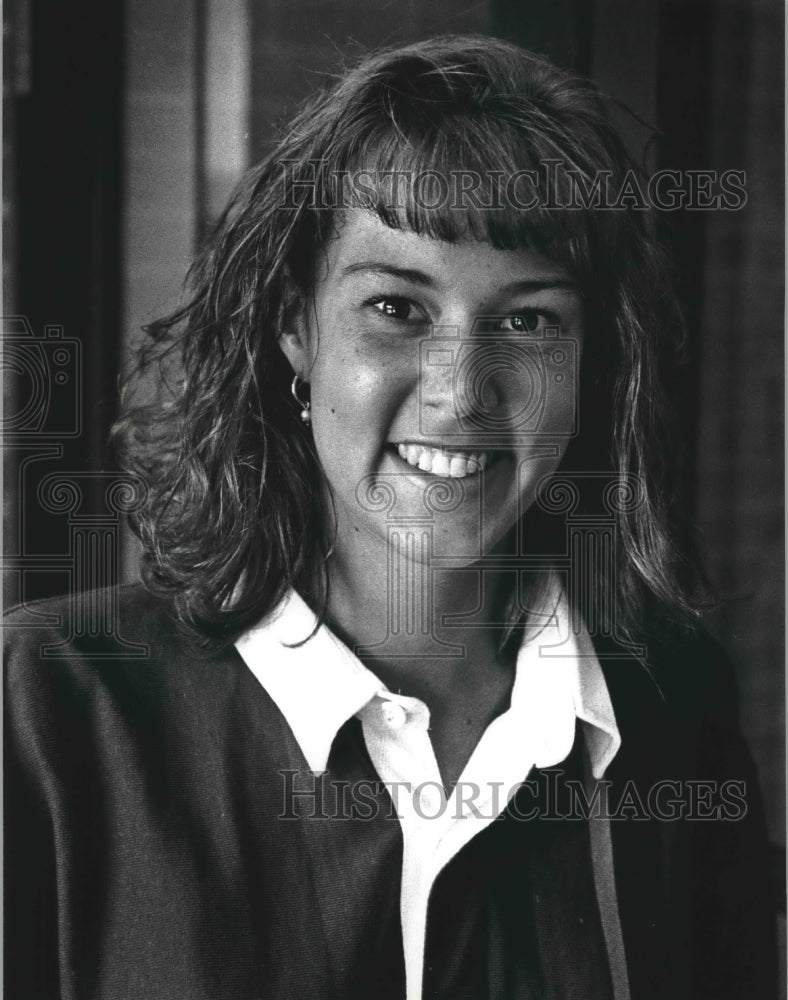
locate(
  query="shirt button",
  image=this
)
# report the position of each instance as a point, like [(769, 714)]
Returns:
[(393, 715)]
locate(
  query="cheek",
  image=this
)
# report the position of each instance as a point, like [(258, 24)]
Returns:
[(355, 401), (357, 383), (559, 387)]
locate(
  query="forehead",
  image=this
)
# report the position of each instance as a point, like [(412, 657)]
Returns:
[(362, 243)]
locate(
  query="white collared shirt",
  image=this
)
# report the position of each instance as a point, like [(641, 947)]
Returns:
[(320, 684)]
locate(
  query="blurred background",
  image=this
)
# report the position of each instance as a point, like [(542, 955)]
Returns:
[(126, 125)]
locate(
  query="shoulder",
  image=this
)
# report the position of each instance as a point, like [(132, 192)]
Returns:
[(93, 622), (86, 655), (58, 652), (115, 629), (678, 673), (696, 673), (677, 713), (109, 676)]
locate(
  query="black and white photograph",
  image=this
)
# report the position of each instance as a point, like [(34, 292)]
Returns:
[(393, 500)]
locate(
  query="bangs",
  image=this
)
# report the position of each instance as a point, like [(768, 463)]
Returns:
[(478, 147), (465, 176)]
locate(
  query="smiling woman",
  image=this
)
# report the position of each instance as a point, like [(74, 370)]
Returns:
[(412, 597), (384, 297)]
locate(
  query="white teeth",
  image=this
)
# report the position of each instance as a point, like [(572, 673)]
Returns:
[(441, 464), (458, 467), (455, 465)]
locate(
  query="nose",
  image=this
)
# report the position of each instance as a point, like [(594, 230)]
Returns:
[(473, 382), (454, 374)]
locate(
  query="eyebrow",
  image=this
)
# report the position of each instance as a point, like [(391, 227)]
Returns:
[(408, 274), (417, 277)]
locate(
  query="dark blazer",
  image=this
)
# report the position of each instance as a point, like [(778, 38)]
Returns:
[(152, 850)]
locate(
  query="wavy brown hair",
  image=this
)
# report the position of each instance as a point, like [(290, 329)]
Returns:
[(231, 519)]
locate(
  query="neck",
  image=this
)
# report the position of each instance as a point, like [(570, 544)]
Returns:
[(418, 627)]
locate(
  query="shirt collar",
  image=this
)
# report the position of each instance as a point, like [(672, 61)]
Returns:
[(318, 683), (559, 682), (314, 679)]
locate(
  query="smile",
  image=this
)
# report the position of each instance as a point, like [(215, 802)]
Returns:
[(452, 464)]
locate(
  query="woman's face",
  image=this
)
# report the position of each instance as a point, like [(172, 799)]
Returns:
[(443, 380)]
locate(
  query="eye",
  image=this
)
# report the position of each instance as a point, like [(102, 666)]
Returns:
[(526, 321), (394, 307), (523, 322)]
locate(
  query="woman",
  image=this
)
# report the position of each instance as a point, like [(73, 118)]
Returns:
[(423, 710)]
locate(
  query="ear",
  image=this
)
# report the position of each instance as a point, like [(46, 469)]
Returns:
[(294, 338)]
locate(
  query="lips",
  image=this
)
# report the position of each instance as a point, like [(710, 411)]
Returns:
[(453, 464)]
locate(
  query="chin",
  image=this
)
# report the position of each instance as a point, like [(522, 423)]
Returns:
[(456, 545)]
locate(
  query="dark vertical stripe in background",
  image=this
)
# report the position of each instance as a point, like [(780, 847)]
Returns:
[(682, 115), (740, 381), (66, 179), (200, 25)]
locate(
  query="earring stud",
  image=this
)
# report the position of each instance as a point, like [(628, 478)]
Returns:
[(306, 416)]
